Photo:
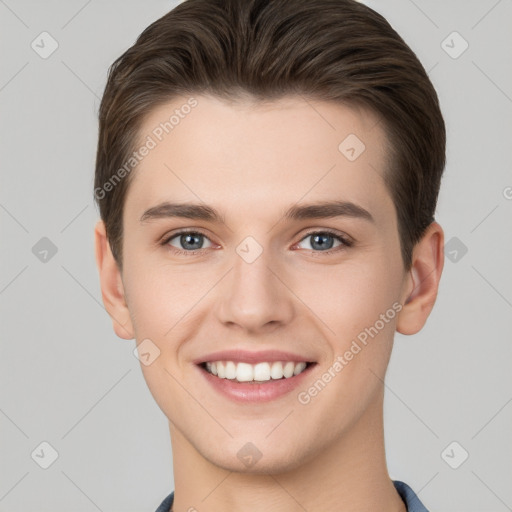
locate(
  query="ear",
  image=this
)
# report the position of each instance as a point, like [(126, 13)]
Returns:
[(422, 282), (112, 290)]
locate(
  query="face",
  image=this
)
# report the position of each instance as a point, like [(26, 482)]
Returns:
[(301, 264)]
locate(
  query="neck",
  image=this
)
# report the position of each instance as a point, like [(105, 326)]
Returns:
[(349, 475)]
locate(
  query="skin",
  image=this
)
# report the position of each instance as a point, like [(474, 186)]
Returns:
[(251, 162)]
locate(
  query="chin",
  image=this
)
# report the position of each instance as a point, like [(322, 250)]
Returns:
[(264, 458)]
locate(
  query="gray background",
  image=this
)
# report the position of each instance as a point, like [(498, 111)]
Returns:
[(67, 380)]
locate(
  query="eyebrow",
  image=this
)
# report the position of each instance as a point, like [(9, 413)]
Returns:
[(321, 210)]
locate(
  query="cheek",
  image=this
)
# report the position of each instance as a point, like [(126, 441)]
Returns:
[(160, 296), (348, 298), (357, 306)]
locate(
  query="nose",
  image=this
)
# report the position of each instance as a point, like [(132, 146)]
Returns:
[(254, 296)]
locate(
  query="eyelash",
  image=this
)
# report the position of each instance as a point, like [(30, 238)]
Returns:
[(346, 242)]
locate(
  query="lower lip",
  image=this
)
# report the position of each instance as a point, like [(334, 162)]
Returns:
[(250, 392)]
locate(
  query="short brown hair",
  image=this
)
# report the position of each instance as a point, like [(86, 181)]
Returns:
[(333, 50)]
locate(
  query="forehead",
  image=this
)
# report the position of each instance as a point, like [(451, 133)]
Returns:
[(246, 154)]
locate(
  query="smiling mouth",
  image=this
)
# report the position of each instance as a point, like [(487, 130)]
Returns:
[(258, 373)]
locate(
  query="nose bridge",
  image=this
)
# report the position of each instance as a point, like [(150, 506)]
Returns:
[(253, 296)]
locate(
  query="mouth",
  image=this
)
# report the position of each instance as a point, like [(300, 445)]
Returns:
[(256, 382), (258, 373)]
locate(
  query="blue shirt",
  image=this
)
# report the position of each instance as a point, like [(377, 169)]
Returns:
[(408, 496)]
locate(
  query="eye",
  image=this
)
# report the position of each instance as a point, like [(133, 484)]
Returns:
[(323, 241), (187, 241)]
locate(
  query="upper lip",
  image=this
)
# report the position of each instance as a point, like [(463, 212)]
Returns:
[(244, 356)]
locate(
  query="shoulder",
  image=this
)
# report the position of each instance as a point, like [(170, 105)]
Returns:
[(408, 496), (166, 504)]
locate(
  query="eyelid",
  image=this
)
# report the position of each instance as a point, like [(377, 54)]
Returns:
[(338, 234)]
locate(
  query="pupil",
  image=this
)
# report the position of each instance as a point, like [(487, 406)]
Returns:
[(320, 239), (185, 239)]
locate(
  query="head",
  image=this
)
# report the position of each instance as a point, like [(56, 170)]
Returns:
[(255, 109)]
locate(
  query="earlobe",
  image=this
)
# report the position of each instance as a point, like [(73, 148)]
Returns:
[(422, 283), (112, 290)]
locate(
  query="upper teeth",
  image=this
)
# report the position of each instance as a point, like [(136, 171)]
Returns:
[(245, 372)]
